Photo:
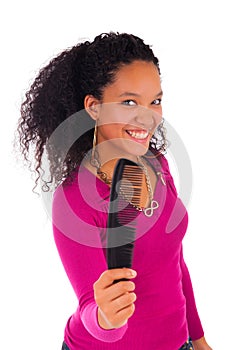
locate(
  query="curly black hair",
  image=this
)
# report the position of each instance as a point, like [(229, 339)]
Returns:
[(58, 93)]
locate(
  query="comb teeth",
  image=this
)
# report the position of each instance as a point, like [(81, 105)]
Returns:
[(131, 184), (126, 213)]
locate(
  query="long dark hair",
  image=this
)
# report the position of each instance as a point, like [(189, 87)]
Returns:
[(58, 92)]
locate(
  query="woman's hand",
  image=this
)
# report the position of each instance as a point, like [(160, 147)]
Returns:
[(201, 344), (115, 300)]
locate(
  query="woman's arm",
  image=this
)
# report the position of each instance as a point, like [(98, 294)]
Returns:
[(78, 242), (83, 266), (201, 344), (193, 319), (194, 324)]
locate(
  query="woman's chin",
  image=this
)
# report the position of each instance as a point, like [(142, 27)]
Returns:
[(136, 151)]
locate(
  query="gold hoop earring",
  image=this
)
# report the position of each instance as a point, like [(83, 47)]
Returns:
[(93, 158)]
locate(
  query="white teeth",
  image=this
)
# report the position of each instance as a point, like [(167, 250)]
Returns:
[(138, 135)]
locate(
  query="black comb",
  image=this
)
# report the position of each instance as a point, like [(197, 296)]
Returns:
[(124, 199)]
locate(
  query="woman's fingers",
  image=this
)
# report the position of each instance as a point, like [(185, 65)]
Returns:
[(114, 292), (123, 302), (109, 276), (115, 301), (118, 289), (119, 313)]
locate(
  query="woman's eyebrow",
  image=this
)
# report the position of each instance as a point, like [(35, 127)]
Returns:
[(160, 94), (128, 93)]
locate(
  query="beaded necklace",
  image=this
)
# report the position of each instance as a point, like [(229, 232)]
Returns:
[(153, 204)]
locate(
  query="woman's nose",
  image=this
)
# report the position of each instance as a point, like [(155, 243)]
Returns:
[(148, 118)]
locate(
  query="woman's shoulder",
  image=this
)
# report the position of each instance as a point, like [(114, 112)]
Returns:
[(83, 192), (159, 162), (160, 165)]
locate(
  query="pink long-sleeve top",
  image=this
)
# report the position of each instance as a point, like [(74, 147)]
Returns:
[(165, 310)]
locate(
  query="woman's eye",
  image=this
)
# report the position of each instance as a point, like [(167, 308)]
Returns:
[(129, 103), (157, 102)]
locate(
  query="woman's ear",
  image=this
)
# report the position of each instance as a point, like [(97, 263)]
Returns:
[(91, 105)]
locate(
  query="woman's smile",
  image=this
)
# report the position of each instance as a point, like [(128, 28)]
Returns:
[(138, 135)]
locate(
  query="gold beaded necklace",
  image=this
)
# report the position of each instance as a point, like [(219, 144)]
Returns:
[(153, 204)]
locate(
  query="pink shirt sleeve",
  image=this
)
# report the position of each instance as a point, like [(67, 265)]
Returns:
[(95, 330), (83, 265), (194, 323)]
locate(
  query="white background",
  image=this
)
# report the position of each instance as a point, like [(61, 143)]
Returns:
[(194, 43)]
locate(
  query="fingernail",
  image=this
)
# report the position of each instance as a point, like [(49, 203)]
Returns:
[(132, 273)]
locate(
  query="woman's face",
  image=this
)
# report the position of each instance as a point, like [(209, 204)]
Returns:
[(130, 110)]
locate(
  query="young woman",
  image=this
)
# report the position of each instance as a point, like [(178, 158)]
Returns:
[(90, 106)]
